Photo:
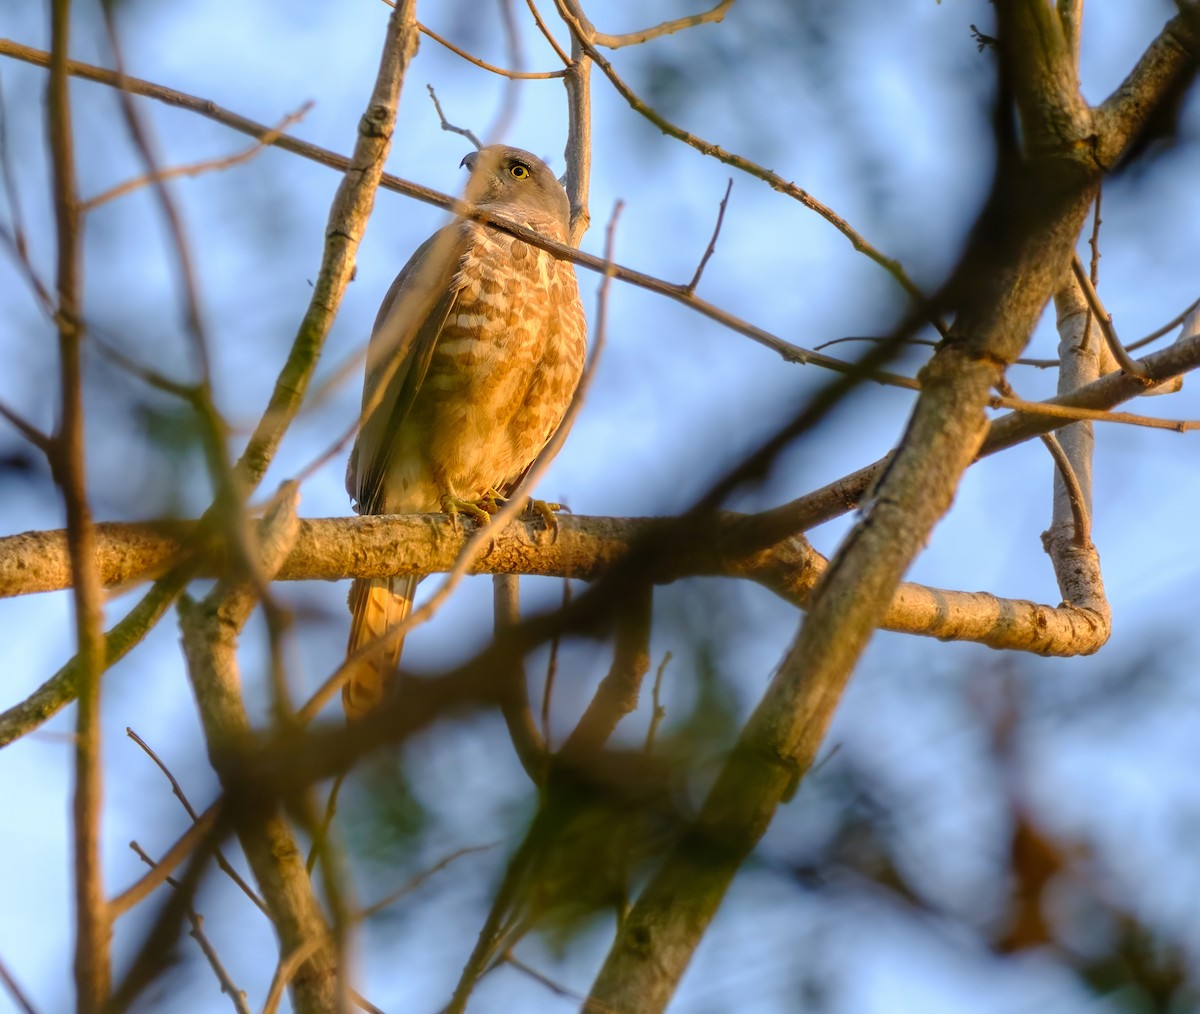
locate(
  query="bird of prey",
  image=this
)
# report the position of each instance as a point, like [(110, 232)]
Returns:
[(474, 358)]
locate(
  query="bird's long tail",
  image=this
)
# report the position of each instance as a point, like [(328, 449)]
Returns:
[(375, 607)]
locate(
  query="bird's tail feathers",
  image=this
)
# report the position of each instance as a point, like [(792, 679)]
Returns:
[(375, 607)]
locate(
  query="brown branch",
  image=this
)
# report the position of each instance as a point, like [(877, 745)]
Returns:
[(1008, 272), (93, 929), (210, 632), (1104, 319), (617, 695), (552, 671), (712, 243), (578, 83), (348, 217), (30, 432), (199, 831), (658, 712), (1068, 540), (197, 168), (515, 75), (714, 15), (19, 998), (577, 171), (450, 127), (178, 793), (417, 880), (846, 493), (582, 31), (546, 33), (1167, 65), (514, 699)]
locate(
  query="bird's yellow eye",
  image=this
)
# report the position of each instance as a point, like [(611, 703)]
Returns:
[(519, 171)]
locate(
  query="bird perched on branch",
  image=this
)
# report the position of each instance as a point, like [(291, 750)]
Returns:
[(473, 361)]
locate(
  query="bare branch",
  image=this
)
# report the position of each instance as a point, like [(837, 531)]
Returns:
[(92, 926), (516, 75), (617, 695), (579, 133), (546, 33), (576, 171), (450, 127), (347, 220), (716, 14), (1104, 319), (197, 168), (584, 34), (514, 699), (712, 243), (178, 793), (19, 998), (30, 432), (1166, 66), (177, 853), (658, 712), (552, 671), (416, 881)]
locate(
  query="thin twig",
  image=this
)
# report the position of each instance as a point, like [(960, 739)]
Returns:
[(589, 1006), (1079, 511), (30, 432), (546, 33), (237, 996), (177, 790), (362, 1003), (516, 75), (618, 692), (448, 126), (514, 699), (1075, 493), (716, 14), (326, 822), (552, 670), (280, 411), (139, 890), (659, 712), (1094, 241), (416, 881), (712, 243), (571, 13), (197, 168), (285, 972), (10, 984), (1104, 319)]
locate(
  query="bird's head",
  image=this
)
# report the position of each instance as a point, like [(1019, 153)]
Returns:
[(518, 185)]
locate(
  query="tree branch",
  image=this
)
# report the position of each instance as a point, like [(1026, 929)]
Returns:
[(93, 929), (1167, 65)]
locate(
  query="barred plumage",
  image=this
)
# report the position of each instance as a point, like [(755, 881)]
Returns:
[(474, 358)]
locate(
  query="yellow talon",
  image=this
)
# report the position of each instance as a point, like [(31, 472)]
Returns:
[(455, 506)]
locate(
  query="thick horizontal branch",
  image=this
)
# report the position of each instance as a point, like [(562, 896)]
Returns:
[(332, 549)]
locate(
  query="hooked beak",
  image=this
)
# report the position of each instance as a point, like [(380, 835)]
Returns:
[(469, 160)]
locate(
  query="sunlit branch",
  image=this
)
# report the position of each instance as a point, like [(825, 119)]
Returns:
[(715, 14), (196, 168), (572, 14)]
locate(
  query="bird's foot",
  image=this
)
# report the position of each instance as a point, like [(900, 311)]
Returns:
[(546, 510), (480, 511)]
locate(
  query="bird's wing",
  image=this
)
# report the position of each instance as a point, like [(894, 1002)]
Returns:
[(411, 318)]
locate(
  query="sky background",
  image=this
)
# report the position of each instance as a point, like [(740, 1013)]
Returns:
[(879, 110)]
